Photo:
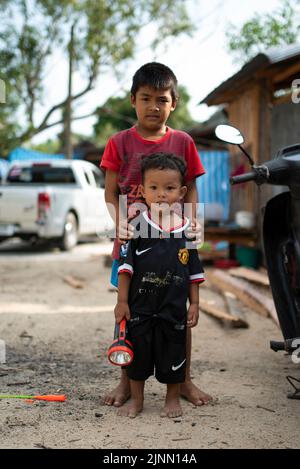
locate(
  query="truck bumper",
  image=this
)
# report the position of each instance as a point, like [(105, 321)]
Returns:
[(39, 229)]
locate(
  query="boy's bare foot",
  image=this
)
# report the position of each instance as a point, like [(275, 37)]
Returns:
[(131, 408), (172, 408), (118, 396), (193, 394)]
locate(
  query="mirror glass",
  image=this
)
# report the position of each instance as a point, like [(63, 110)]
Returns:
[(229, 134)]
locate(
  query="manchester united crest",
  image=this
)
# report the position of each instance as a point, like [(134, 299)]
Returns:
[(183, 256)]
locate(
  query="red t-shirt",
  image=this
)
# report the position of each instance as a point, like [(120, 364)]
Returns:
[(125, 149)]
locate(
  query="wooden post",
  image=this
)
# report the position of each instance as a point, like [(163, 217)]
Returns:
[(264, 134)]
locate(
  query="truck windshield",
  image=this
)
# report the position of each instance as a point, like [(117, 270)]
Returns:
[(41, 174)]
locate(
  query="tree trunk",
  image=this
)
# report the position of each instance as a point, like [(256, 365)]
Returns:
[(67, 132)]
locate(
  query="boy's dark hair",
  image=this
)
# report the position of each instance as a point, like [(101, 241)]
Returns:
[(163, 161), (157, 76)]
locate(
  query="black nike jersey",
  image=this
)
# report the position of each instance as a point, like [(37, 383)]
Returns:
[(162, 267)]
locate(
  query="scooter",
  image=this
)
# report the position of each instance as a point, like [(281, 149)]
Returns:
[(281, 232)]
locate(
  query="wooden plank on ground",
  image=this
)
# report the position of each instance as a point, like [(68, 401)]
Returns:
[(218, 313), (234, 308), (73, 282), (250, 274), (244, 291)]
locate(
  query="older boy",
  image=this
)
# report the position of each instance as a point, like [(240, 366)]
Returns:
[(154, 96)]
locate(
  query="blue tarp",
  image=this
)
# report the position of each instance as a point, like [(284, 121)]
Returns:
[(214, 188), (24, 154)]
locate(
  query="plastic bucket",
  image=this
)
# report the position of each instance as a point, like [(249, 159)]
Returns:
[(247, 256), (244, 219)]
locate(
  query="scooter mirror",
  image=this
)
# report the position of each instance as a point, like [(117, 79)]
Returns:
[(229, 134)]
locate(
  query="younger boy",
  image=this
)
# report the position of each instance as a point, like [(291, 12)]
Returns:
[(156, 276), (154, 96)]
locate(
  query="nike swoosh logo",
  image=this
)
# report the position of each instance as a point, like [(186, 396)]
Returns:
[(174, 368), (138, 253)]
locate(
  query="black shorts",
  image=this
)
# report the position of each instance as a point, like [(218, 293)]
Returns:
[(158, 345)]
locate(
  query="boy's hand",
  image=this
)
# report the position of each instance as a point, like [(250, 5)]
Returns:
[(194, 231), (125, 231), (122, 311), (193, 315)]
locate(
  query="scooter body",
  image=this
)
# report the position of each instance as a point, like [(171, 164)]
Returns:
[(282, 253), (281, 235), (281, 232)]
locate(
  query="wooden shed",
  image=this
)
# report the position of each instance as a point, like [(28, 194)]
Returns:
[(261, 100)]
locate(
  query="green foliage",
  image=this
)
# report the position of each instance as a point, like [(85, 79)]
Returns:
[(278, 28), (50, 146), (105, 35), (117, 114), (27, 39), (181, 118), (9, 126)]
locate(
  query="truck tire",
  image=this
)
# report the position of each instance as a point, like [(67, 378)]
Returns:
[(70, 237)]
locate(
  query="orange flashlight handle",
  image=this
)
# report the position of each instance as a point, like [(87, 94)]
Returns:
[(120, 330)]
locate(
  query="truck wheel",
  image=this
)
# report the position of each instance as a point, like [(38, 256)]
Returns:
[(70, 236)]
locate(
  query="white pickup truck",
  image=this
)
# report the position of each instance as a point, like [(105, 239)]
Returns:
[(56, 199)]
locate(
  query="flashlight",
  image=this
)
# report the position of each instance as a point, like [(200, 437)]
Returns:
[(120, 352)]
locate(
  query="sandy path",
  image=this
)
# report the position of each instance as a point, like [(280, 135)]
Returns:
[(56, 339)]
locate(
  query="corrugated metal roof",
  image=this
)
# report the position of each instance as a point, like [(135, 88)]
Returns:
[(262, 60), (279, 54)]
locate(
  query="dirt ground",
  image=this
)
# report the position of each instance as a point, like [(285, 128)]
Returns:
[(56, 339)]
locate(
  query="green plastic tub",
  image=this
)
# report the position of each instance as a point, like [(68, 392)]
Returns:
[(247, 256)]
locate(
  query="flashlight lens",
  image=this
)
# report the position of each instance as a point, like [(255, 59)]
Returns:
[(120, 357)]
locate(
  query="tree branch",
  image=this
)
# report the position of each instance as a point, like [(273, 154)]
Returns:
[(60, 105), (89, 86), (34, 131), (43, 124), (107, 110)]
